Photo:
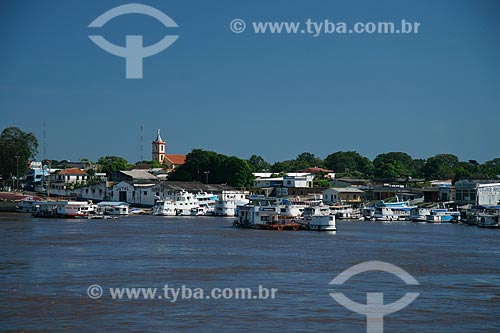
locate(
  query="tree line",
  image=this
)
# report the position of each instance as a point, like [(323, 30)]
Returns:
[(18, 147), (392, 165)]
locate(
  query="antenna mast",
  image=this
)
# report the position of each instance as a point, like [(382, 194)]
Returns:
[(142, 145)]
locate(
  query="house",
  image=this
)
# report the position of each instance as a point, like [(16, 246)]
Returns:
[(298, 180), (63, 182), (343, 195), (70, 175), (291, 180), (37, 177)]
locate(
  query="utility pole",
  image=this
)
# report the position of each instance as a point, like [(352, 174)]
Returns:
[(17, 172), (48, 186)]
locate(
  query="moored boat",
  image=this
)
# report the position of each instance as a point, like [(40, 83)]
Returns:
[(265, 217), (181, 205), (489, 217), (322, 223), (113, 208), (442, 216), (392, 211), (63, 209), (419, 214)]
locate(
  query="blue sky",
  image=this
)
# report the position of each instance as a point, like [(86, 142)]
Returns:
[(274, 95)]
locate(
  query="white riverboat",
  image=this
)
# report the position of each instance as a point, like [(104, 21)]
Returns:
[(181, 204), (322, 223), (342, 211), (314, 211), (27, 205), (64, 209), (256, 216), (202, 209), (392, 211), (113, 208), (228, 207), (206, 202), (291, 208), (419, 214), (265, 217)]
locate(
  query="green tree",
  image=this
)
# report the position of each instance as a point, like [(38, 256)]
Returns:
[(155, 164), (109, 164), (283, 167), (393, 165), (491, 169), (444, 166), (418, 168), (349, 163), (303, 161), (237, 172), (202, 165), (14, 142), (308, 160), (258, 164)]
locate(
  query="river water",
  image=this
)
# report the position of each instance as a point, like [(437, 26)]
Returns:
[(47, 266)]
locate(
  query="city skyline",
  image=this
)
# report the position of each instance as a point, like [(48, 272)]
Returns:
[(274, 95)]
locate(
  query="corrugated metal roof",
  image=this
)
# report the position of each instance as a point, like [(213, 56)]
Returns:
[(139, 174), (345, 189)]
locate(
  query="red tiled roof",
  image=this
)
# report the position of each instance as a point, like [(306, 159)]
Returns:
[(176, 159), (72, 171)]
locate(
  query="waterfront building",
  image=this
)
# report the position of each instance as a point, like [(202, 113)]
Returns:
[(343, 195), (146, 192), (132, 175), (63, 182), (477, 192)]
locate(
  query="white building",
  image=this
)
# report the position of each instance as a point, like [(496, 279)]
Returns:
[(65, 182), (136, 193), (488, 194), (292, 179), (96, 192), (298, 180), (472, 192)]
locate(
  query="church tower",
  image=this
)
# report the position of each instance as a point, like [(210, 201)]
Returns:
[(159, 149)]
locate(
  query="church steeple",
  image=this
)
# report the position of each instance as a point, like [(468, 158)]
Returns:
[(159, 149), (158, 137)]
